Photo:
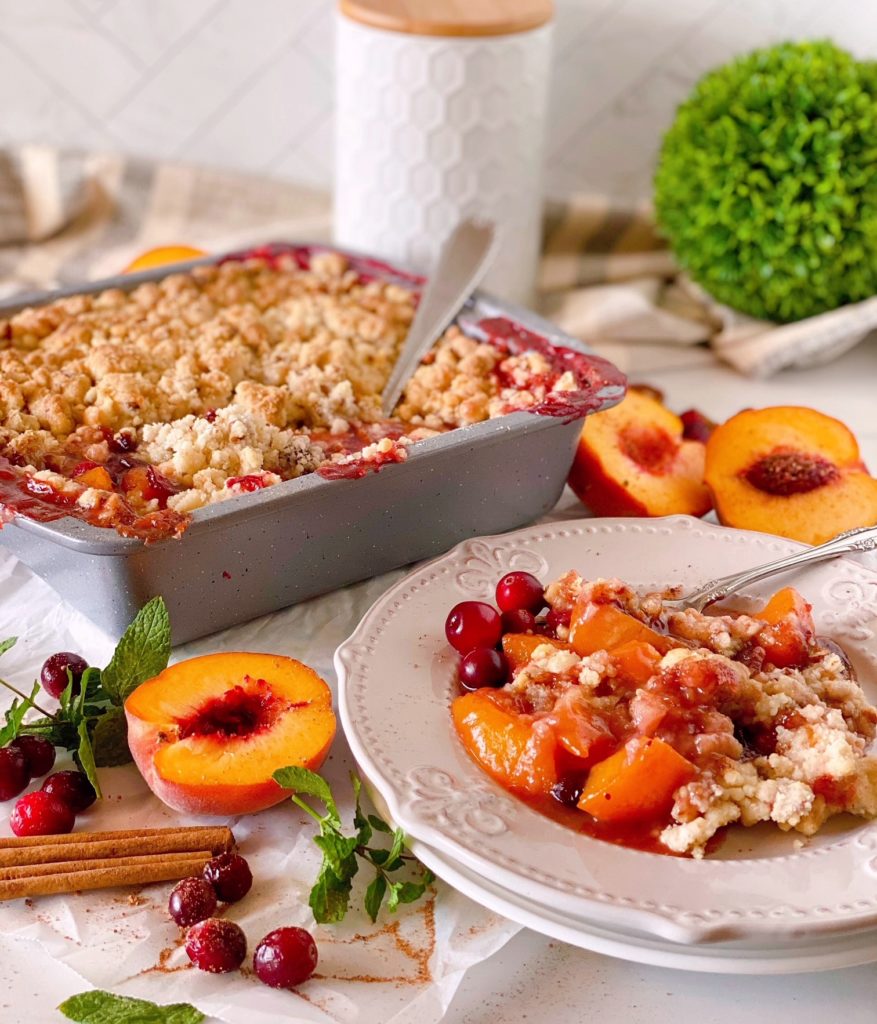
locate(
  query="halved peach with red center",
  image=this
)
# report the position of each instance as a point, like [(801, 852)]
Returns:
[(207, 734), (789, 470), (632, 460)]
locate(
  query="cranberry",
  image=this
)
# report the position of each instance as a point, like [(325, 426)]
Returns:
[(38, 752), (124, 441), (483, 667), (191, 901), (556, 617), (285, 957), (696, 426), (230, 876), (72, 788), (53, 674), (41, 814), (14, 775), (520, 590), (568, 790), (216, 946), (472, 624), (518, 621)]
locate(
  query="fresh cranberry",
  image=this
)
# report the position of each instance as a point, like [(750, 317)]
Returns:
[(518, 621), (216, 946), (39, 754), (191, 901), (472, 624), (230, 876), (696, 426), (72, 788), (555, 618), (568, 790), (483, 667), (41, 814), (285, 957), (520, 590), (14, 775), (53, 674)]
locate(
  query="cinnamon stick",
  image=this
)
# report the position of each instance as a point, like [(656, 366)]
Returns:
[(92, 845), (198, 857), (158, 869)]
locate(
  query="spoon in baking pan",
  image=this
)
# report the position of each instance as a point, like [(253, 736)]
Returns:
[(862, 539), (462, 262)]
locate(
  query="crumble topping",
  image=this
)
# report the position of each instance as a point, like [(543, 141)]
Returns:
[(253, 366), (790, 743)]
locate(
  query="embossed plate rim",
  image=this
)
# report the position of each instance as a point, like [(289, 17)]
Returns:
[(476, 823)]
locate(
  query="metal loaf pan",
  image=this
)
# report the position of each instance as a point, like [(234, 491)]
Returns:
[(262, 551)]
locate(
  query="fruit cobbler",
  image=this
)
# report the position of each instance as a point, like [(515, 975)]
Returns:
[(133, 409), (658, 728)]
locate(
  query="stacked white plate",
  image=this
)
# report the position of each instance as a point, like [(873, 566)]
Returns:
[(767, 903)]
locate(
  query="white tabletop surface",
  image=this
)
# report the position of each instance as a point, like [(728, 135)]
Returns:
[(535, 980)]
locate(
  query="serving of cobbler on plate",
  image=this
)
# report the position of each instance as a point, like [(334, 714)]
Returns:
[(656, 728), (134, 409)]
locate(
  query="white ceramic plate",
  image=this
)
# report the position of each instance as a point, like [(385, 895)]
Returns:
[(824, 953), (396, 676)]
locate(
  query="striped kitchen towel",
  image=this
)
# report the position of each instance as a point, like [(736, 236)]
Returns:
[(605, 275)]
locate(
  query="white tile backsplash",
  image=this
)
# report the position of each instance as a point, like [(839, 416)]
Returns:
[(247, 84)]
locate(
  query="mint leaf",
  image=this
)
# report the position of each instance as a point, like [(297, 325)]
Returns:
[(378, 824), (338, 852), (85, 757), (99, 1007), (142, 653), (8, 644), (330, 896), (374, 897), (392, 862), (109, 739), (410, 892), (15, 714), (301, 780)]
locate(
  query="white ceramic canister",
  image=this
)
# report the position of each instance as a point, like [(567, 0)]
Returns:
[(440, 114)]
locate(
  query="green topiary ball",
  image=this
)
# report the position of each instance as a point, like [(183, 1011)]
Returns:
[(766, 186)]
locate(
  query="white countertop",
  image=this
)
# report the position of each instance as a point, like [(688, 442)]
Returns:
[(535, 979)]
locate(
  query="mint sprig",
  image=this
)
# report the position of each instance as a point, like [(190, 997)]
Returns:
[(91, 723), (343, 854), (99, 1007)]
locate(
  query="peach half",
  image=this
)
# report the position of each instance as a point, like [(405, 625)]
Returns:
[(632, 460), (208, 733), (789, 470)]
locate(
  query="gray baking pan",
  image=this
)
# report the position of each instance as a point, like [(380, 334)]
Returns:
[(271, 548)]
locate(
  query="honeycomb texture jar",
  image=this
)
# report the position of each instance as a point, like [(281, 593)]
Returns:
[(439, 117)]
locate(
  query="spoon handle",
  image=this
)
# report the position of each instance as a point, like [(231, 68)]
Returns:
[(462, 262), (862, 539)]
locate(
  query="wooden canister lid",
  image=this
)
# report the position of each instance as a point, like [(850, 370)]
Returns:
[(450, 17)]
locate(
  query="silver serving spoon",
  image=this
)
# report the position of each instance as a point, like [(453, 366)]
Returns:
[(862, 539), (464, 258)]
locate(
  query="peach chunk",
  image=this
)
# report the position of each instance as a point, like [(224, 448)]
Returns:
[(787, 637), (518, 647), (635, 783), (604, 627), (208, 733), (96, 477), (632, 460), (512, 747), (789, 470)]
